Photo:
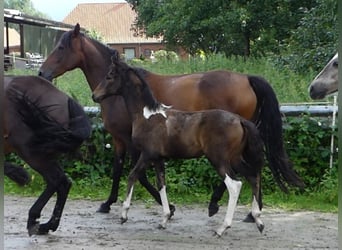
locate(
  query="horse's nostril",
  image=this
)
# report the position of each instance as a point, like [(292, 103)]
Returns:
[(40, 73)]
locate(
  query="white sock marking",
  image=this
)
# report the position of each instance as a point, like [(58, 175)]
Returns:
[(234, 188), (165, 204), (126, 204)]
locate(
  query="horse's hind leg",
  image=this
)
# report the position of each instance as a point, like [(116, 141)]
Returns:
[(63, 188), (56, 181)]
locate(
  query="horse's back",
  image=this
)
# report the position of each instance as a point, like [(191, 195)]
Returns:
[(38, 91), (41, 91), (218, 89)]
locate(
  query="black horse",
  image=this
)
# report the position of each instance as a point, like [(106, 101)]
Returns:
[(40, 124)]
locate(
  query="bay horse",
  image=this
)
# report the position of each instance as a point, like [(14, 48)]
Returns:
[(231, 143), (251, 97), (326, 82), (40, 124)]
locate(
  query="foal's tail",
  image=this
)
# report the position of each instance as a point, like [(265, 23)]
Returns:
[(253, 153), (269, 123), (49, 136)]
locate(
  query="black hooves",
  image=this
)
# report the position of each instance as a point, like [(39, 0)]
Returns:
[(213, 209), (172, 210), (104, 208)]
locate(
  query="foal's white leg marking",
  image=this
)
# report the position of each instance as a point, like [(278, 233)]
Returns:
[(166, 208), (125, 206), (256, 213), (234, 188)]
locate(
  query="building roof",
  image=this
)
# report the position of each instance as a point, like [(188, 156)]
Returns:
[(14, 37), (113, 21)]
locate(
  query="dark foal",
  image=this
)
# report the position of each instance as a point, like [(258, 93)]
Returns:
[(232, 144), (41, 123)]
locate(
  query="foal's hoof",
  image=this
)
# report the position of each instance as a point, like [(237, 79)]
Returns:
[(261, 227), (172, 210), (213, 209), (104, 208), (249, 218), (123, 220), (160, 226)]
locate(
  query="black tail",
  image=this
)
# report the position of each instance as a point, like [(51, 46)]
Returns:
[(253, 153), (269, 123), (16, 173), (49, 136)]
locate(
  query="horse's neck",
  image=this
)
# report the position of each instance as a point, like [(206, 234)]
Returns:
[(96, 64)]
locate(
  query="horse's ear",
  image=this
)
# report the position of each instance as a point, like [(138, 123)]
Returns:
[(77, 29)]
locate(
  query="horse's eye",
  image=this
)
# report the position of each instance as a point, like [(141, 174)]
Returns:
[(335, 64)]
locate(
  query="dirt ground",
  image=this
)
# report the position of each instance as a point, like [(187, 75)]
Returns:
[(82, 228)]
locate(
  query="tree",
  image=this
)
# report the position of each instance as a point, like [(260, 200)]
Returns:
[(315, 40), (230, 27), (25, 6)]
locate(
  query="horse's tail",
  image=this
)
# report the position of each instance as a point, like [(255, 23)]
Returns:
[(49, 135), (16, 173), (269, 123)]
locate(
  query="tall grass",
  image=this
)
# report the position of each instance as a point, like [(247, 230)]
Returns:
[(288, 86)]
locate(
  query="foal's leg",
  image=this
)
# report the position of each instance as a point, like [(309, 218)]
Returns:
[(156, 195), (132, 178), (254, 215), (160, 171), (119, 159), (216, 196), (234, 188)]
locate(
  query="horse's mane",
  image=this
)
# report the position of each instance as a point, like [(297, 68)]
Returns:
[(66, 40)]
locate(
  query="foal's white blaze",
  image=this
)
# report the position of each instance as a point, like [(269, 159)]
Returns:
[(166, 208), (126, 204), (161, 110), (234, 188)]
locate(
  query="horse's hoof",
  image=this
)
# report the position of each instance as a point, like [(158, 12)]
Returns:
[(249, 218), (104, 208), (172, 210), (123, 220), (213, 209), (33, 230)]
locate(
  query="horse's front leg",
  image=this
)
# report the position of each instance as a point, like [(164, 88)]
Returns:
[(119, 160), (132, 178), (234, 188), (160, 171)]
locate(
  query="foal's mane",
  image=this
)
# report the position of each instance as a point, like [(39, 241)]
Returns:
[(146, 92)]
